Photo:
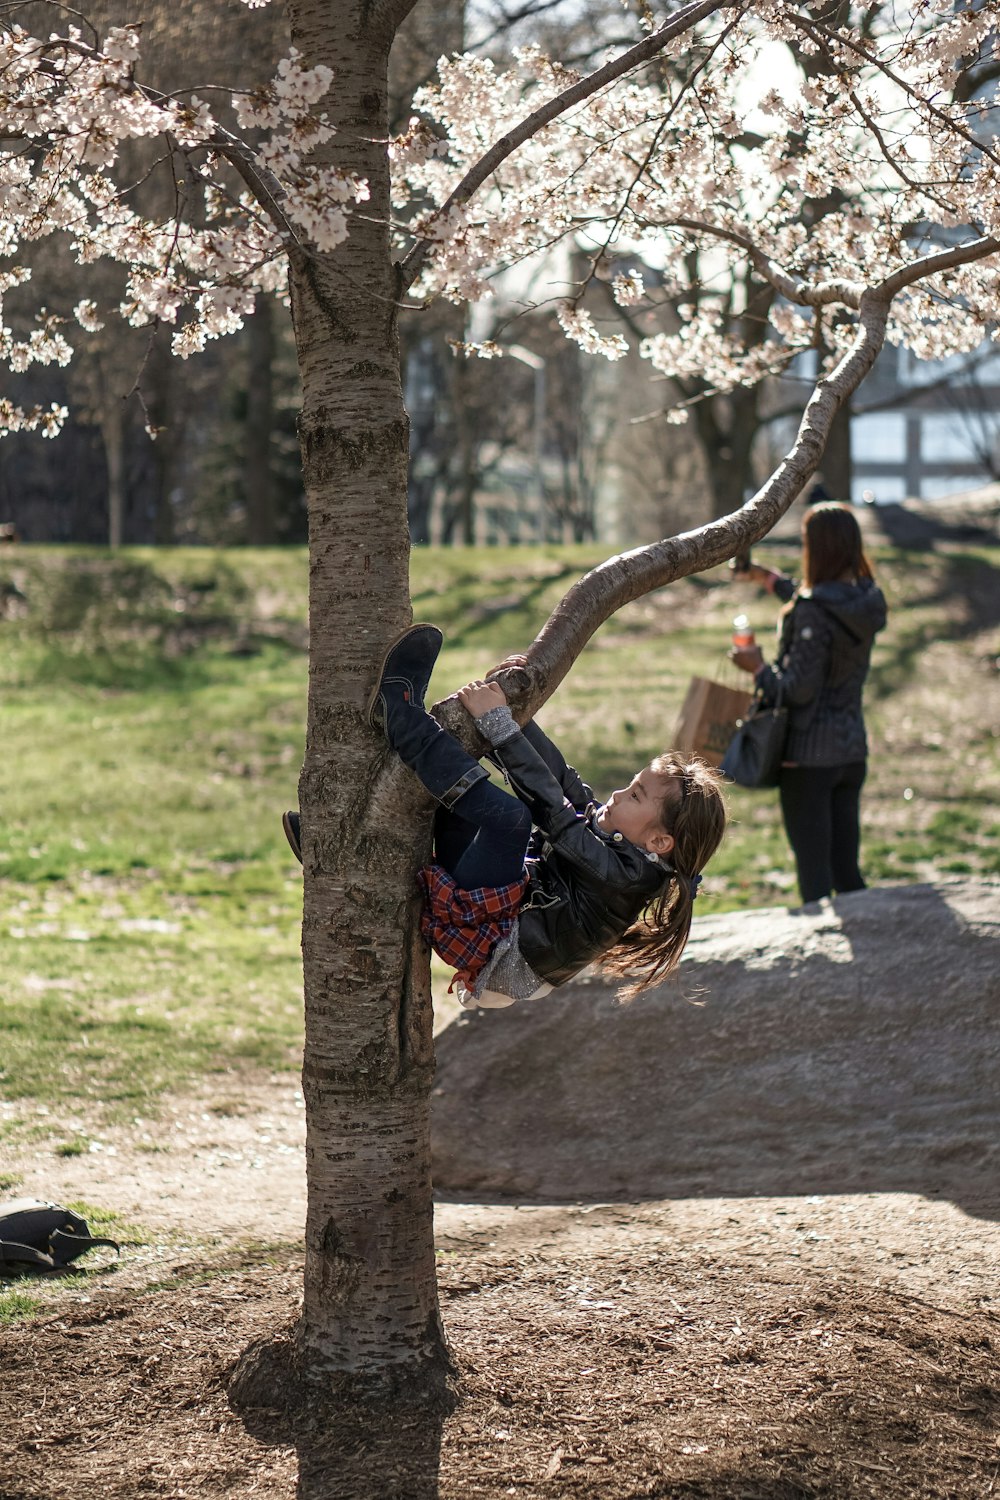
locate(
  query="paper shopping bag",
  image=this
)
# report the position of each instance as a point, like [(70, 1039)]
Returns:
[(708, 718)]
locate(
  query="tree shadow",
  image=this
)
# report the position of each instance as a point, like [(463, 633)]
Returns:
[(916, 529), (356, 1438), (849, 1052), (469, 614), (966, 604)]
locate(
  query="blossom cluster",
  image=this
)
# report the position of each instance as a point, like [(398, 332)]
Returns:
[(821, 158), (66, 108), (740, 196)]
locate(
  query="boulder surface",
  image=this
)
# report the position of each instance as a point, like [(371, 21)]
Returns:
[(856, 1049)]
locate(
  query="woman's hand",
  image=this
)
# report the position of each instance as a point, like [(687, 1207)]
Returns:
[(478, 698), (747, 658), (766, 577)]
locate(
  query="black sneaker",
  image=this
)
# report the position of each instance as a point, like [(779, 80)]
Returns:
[(406, 671), (290, 823)]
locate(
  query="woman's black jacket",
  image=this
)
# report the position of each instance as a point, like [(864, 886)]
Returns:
[(585, 888), (824, 649)]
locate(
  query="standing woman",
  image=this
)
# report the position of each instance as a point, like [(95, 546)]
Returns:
[(825, 637)]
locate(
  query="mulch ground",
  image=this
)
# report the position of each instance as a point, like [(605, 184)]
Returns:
[(609, 1368)]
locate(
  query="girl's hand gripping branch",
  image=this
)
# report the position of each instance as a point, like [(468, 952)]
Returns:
[(477, 698), (514, 663)]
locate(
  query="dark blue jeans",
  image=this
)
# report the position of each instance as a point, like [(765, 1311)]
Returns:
[(482, 840), (820, 806)]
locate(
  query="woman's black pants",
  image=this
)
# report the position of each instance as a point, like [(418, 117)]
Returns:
[(820, 806)]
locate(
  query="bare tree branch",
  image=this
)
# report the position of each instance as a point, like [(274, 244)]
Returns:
[(939, 260)]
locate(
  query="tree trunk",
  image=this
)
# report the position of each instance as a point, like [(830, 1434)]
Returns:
[(258, 481), (167, 415), (370, 1287), (727, 426), (837, 471), (113, 434), (462, 499)]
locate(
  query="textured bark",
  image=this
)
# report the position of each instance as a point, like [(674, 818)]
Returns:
[(258, 481), (370, 1288), (113, 435)]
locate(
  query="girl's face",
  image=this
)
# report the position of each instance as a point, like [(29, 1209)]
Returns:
[(634, 811)]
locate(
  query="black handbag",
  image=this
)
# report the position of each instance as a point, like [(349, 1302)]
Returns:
[(757, 748)]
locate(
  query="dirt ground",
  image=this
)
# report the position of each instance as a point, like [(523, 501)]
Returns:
[(762, 1348)]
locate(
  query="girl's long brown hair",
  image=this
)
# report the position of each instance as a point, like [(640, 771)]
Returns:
[(694, 812), (831, 545)]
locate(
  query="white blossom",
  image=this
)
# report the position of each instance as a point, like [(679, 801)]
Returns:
[(824, 182), (578, 325), (85, 313), (628, 288)]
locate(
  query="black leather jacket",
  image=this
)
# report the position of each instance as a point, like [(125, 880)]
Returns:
[(824, 650), (585, 888)]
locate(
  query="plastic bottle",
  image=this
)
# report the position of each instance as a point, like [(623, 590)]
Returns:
[(743, 636)]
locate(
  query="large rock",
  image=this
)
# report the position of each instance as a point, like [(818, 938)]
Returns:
[(853, 1050)]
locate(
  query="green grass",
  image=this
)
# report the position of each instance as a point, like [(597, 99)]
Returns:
[(149, 909), (16, 1305), (153, 716)]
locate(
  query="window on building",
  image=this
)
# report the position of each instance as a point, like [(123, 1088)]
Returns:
[(947, 435), (877, 490), (881, 436)]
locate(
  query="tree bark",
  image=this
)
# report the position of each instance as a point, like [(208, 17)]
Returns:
[(370, 1287), (837, 468), (113, 435), (258, 480)]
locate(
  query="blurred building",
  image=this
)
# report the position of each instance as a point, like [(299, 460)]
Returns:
[(923, 429)]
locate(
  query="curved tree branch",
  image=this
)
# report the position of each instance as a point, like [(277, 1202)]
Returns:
[(597, 596), (792, 288)]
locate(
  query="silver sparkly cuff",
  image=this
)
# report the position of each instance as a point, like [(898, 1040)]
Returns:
[(498, 725)]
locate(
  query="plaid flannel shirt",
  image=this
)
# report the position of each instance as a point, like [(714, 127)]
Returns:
[(463, 927)]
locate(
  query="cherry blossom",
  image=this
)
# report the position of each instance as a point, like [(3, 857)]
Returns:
[(66, 108), (833, 159)]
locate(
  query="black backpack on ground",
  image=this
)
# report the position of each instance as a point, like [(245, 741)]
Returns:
[(42, 1236)]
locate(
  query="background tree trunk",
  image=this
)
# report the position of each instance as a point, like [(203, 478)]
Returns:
[(113, 435), (837, 470), (258, 481)]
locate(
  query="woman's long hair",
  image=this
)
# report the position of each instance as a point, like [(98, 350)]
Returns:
[(694, 812), (831, 545)]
